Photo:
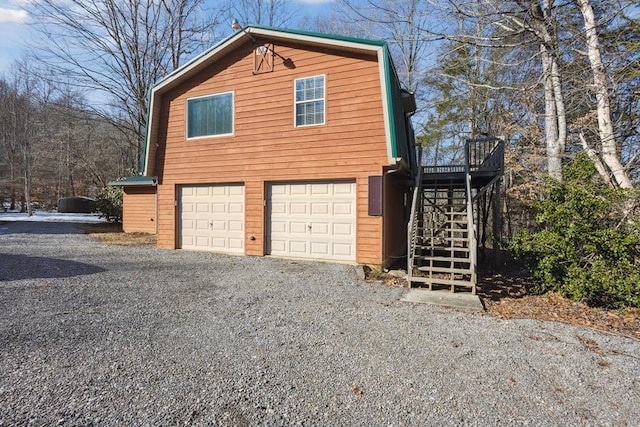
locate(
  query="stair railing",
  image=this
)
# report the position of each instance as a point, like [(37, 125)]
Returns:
[(412, 227), (471, 229)]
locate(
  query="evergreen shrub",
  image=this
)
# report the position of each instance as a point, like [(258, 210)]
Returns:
[(587, 244), (109, 203)]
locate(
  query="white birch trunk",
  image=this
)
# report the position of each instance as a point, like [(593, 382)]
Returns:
[(610, 155), (602, 169)]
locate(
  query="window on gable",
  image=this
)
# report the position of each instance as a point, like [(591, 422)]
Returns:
[(210, 115), (309, 98)]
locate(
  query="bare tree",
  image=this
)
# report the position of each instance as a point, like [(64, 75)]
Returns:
[(120, 48), (405, 25), (20, 127), (273, 13), (610, 154)]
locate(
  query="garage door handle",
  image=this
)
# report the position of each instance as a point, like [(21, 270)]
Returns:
[(309, 227)]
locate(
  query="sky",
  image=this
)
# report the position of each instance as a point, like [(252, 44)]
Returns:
[(14, 31), (16, 26)]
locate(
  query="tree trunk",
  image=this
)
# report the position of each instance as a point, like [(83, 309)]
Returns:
[(610, 155), (554, 151)]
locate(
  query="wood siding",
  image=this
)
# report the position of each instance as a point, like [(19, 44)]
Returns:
[(267, 147), (139, 210)]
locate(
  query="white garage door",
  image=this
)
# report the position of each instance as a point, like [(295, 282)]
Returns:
[(312, 220), (212, 218)]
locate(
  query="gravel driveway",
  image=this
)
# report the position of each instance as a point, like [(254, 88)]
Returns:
[(104, 335)]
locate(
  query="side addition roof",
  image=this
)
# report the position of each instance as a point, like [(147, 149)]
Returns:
[(390, 86), (137, 180)]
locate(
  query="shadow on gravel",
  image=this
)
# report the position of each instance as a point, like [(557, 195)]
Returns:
[(18, 267), (29, 227)]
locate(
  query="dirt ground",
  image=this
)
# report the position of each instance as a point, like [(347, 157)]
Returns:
[(508, 296), (112, 234), (505, 296)]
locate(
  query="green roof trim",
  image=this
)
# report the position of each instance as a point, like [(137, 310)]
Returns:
[(137, 180), (143, 160), (318, 35), (388, 69)]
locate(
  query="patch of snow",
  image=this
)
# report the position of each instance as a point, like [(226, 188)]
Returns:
[(39, 216)]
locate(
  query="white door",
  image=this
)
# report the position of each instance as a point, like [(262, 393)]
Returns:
[(312, 220), (212, 218)]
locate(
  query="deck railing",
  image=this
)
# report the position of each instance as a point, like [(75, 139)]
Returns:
[(485, 154)]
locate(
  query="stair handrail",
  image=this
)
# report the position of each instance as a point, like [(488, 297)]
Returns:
[(413, 219), (471, 229)]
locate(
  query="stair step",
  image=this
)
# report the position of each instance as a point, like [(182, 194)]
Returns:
[(445, 270), (441, 226), (442, 248), (446, 239), (443, 259), (437, 281), (442, 229)]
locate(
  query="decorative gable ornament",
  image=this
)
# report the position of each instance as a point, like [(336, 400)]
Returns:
[(264, 59)]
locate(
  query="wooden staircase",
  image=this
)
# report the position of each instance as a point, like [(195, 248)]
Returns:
[(442, 233)]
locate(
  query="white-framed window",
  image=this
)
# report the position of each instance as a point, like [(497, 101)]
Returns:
[(309, 101), (210, 115)]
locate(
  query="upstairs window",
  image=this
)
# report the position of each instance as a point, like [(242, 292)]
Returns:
[(210, 115), (309, 98)]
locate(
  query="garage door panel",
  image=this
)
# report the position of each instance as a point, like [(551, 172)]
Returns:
[(278, 227), (340, 229), (312, 220), (320, 249), (278, 246), (343, 188), (202, 191), (202, 241), (319, 189), (236, 208), (279, 208), (297, 227), (219, 225), (321, 208), (236, 243), (203, 207), (342, 209), (345, 250), (319, 228), (297, 190), (297, 247), (298, 208), (236, 191), (212, 218), (236, 226), (219, 207)]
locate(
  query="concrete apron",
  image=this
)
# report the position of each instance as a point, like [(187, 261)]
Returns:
[(445, 298)]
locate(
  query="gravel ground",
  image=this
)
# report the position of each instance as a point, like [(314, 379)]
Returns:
[(105, 335)]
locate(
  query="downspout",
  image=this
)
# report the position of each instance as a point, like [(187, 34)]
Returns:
[(156, 202)]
